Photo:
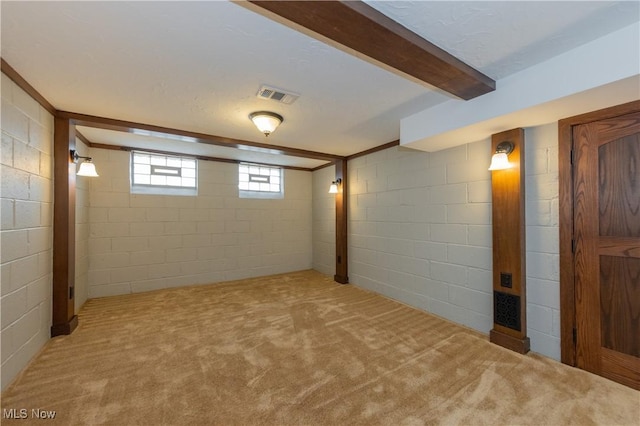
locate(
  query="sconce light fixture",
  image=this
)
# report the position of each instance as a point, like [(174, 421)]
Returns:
[(333, 189), (500, 160), (87, 168), (267, 122)]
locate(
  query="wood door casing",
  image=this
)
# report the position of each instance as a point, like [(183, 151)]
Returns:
[(565, 216), (606, 225)]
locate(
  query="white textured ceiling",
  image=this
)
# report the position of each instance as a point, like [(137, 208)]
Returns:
[(197, 65)]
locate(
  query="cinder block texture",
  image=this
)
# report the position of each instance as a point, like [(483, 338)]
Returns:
[(408, 205), (140, 242), (26, 233)]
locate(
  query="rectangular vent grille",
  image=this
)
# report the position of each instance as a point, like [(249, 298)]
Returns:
[(277, 95), (506, 310)]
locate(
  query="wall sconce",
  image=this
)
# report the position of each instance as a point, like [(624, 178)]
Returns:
[(333, 189), (267, 122), (500, 160), (87, 168)]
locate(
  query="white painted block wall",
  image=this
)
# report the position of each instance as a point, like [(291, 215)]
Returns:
[(420, 232), (26, 233), (324, 222), (148, 242)]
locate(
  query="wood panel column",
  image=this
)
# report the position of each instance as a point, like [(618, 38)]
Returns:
[(64, 229), (509, 249), (342, 196)]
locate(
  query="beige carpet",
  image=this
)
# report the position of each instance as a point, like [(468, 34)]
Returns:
[(297, 349)]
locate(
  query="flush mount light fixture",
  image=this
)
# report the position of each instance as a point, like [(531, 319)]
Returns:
[(87, 168), (333, 189), (500, 160), (266, 121)]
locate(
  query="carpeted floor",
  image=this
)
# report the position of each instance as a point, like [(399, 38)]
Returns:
[(297, 349)]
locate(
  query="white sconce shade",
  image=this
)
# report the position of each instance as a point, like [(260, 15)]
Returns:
[(87, 168), (333, 189), (500, 160), (267, 122)]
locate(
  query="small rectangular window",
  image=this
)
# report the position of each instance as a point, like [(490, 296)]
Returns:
[(163, 174), (259, 181)]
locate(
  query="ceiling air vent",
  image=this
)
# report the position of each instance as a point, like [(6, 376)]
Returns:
[(278, 95)]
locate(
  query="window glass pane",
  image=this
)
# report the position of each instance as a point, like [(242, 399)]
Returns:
[(260, 179), (174, 181), (141, 159), (141, 179), (142, 169), (163, 170), (174, 162), (158, 180), (158, 161)]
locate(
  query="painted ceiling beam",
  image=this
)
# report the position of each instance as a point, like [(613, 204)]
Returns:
[(364, 31)]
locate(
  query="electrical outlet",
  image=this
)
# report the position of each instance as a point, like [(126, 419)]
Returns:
[(506, 280)]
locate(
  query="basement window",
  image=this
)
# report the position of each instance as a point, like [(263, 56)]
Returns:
[(162, 174), (260, 181)]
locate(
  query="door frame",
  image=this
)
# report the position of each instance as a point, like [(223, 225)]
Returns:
[(565, 179)]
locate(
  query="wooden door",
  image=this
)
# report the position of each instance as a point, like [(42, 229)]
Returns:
[(606, 185)]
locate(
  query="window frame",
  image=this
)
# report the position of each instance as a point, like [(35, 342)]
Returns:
[(260, 193), (163, 170)]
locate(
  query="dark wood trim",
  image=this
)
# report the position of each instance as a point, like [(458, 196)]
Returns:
[(131, 127), (565, 177), (361, 28), (374, 149), (24, 85), (522, 346), (199, 157), (324, 166), (509, 245), (64, 228), (83, 138), (64, 328), (342, 247)]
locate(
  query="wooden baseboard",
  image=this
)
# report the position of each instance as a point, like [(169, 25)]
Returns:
[(64, 328), (515, 344), (341, 279)]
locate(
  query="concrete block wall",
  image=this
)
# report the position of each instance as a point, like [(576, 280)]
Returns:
[(420, 232), (82, 233), (324, 222), (542, 233), (26, 233), (146, 242)]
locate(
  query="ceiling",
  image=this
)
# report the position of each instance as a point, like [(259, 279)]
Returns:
[(197, 66)]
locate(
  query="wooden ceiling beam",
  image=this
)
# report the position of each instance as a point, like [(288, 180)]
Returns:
[(361, 28), (177, 134)]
